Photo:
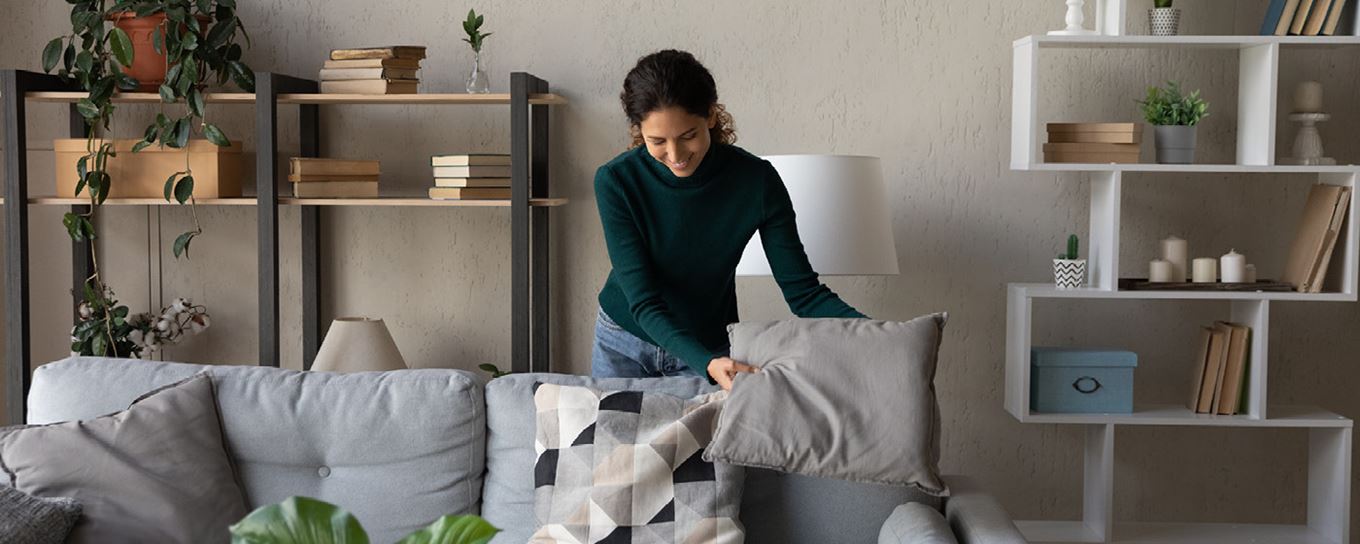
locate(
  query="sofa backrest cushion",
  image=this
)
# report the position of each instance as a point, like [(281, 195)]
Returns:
[(396, 449)]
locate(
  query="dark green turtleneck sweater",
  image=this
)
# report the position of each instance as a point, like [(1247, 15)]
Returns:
[(675, 242)]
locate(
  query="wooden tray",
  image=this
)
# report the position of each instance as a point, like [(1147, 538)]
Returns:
[(1142, 284)]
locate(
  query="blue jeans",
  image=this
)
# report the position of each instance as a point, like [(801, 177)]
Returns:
[(616, 353)]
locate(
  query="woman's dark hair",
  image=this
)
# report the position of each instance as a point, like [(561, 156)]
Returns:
[(673, 78)]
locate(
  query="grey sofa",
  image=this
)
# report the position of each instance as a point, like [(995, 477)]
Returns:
[(400, 449)]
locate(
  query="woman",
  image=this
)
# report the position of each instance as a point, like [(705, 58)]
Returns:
[(678, 208)]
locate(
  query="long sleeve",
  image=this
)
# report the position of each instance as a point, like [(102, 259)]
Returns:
[(803, 291), (633, 270)]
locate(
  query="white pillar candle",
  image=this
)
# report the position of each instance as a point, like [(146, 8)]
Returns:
[(1251, 273), (1159, 271), (1308, 97), (1175, 250), (1206, 270), (1233, 267)]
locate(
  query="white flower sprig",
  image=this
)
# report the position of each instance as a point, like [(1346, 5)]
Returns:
[(181, 318)]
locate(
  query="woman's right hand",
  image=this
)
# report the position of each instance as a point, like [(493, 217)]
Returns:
[(724, 369)]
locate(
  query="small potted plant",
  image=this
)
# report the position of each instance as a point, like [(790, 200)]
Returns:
[(1069, 272), (1174, 117), (304, 520), (476, 80), (1163, 19)]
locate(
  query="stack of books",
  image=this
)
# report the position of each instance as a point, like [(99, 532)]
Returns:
[(1309, 18), (1093, 143), (373, 70), (1220, 376), (471, 177), (1311, 253), (333, 178)]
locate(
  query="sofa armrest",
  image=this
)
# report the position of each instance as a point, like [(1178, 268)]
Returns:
[(976, 517)]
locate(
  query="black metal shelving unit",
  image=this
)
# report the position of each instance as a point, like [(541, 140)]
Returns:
[(529, 100)]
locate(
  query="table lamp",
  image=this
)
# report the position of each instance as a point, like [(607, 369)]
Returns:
[(358, 344), (842, 212)]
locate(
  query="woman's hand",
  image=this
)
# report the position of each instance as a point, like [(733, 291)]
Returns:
[(724, 369)]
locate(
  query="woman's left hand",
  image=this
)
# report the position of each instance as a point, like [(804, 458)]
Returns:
[(725, 369)]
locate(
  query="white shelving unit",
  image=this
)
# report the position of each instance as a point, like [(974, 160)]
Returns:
[(1330, 434)]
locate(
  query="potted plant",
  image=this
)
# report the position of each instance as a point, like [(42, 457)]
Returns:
[(1174, 117), (195, 42), (1163, 19), (303, 520), (1069, 272), (477, 81)]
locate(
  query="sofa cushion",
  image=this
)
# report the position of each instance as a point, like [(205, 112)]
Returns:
[(782, 508), (627, 466), (25, 519), (851, 399), (396, 449), (915, 523), (508, 494), (156, 472)]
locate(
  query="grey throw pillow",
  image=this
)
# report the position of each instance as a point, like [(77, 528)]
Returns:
[(852, 399), (25, 519), (624, 467), (916, 523), (156, 472)]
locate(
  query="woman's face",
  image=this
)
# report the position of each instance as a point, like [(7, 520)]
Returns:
[(677, 138)]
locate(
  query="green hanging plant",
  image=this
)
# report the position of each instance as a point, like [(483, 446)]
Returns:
[(303, 520)]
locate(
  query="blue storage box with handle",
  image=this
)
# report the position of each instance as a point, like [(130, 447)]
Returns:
[(1081, 381)]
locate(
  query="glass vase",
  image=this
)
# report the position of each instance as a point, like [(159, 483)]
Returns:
[(477, 82)]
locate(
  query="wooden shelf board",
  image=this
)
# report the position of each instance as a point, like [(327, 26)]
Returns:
[(61, 201), (140, 98), (418, 98), (1047, 290), (1040, 532), (1184, 42), (1284, 416), (413, 201), (1194, 168)]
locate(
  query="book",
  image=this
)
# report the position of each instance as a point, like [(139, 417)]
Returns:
[(472, 159), (1329, 242), (471, 182), (470, 193), (1310, 239), (1091, 147), (336, 189), (1334, 18), (1273, 13), (370, 86), (344, 74), (1300, 17), (491, 171), (1095, 137), (1090, 158), (1317, 18), (309, 166), (1230, 390), (1197, 369), (1291, 7), (1213, 370), (1095, 127), (387, 52), (310, 178), (408, 64)]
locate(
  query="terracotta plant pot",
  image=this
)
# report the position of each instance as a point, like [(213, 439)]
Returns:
[(148, 66)]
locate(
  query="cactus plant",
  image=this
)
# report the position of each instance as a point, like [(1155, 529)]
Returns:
[(1073, 244), (1162, 3)]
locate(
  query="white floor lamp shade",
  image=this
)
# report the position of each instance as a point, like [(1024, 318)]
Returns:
[(843, 216), (358, 344)]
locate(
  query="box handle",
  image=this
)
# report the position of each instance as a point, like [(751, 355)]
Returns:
[(1086, 385)]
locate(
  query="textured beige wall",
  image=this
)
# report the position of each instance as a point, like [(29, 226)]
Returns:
[(925, 85)]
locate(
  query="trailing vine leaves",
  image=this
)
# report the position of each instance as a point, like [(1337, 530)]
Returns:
[(199, 41)]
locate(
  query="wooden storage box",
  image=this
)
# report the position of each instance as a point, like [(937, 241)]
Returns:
[(1081, 381), (217, 170)]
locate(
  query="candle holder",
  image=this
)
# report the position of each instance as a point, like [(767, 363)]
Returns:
[(1076, 21), (1308, 143)]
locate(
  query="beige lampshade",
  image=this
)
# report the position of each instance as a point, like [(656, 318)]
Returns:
[(358, 344)]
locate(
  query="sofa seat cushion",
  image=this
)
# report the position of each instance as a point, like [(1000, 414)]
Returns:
[(156, 472), (508, 494), (397, 449)]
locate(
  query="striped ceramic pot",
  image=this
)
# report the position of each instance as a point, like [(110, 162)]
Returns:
[(1069, 273)]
